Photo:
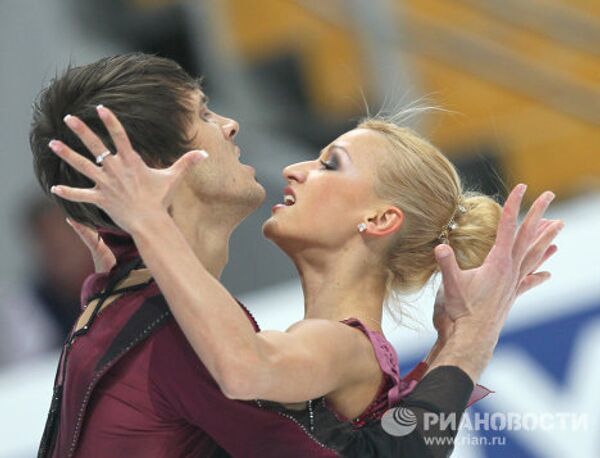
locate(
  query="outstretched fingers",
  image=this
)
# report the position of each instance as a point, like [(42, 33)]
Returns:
[(531, 281), (507, 226), (77, 161), (85, 195), (117, 132), (527, 232), (87, 136), (542, 225), (541, 249)]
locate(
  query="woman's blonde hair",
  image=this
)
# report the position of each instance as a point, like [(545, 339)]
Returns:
[(417, 178)]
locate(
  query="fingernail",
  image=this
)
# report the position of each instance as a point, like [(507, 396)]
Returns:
[(101, 110), (204, 153), (522, 189), (54, 190), (54, 145), (443, 251), (69, 222), (70, 121), (550, 196)]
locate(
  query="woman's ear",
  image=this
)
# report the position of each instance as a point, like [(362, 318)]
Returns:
[(386, 222)]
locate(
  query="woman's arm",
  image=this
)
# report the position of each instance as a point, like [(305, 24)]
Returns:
[(306, 361), (302, 363), (103, 258)]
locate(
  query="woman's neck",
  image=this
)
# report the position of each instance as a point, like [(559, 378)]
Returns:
[(342, 285)]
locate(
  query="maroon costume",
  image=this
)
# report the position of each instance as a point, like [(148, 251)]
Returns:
[(130, 385), (133, 387)]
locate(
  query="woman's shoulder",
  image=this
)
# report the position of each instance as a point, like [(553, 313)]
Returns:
[(384, 351)]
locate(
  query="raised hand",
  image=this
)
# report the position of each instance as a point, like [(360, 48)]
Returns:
[(444, 325), (486, 294), (477, 301), (125, 187)]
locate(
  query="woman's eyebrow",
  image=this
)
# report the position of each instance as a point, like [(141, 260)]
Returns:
[(341, 148)]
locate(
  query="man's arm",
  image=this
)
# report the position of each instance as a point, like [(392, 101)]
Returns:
[(422, 425), (478, 301)]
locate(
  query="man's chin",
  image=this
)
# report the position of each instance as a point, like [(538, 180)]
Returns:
[(254, 198), (259, 194)]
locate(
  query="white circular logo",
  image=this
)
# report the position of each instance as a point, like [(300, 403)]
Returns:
[(399, 421)]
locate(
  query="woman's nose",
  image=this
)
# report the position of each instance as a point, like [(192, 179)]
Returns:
[(296, 172)]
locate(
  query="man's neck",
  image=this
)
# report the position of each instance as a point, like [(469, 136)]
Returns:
[(206, 231)]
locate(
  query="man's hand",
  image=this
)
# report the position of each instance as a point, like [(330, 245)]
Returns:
[(485, 294), (444, 325), (478, 301)]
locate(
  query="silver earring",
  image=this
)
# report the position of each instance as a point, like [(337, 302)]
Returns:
[(362, 227)]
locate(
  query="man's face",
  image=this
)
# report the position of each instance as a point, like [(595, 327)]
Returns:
[(221, 178)]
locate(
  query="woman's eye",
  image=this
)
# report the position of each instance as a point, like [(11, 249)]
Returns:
[(327, 165)]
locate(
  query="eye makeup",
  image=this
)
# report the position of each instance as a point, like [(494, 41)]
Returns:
[(333, 157), (332, 163)]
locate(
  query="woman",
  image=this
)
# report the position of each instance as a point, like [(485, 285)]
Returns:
[(366, 219)]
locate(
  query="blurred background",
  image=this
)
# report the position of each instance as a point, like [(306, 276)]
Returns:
[(520, 80)]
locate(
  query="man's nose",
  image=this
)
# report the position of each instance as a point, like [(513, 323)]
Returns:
[(230, 128)]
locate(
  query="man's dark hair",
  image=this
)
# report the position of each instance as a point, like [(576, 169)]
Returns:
[(149, 94)]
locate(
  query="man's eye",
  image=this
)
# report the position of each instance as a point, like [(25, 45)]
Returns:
[(205, 115)]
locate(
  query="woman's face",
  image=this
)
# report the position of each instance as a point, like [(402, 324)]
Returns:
[(328, 197)]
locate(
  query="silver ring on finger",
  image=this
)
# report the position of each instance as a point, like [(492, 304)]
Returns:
[(101, 157)]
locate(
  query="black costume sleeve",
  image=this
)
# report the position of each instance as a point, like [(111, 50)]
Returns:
[(442, 393)]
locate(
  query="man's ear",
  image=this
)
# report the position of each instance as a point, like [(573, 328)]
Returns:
[(388, 221)]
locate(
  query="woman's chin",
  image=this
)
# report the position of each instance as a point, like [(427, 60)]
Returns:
[(273, 231)]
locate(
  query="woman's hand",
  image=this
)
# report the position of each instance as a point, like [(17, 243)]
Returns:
[(104, 259), (125, 187)]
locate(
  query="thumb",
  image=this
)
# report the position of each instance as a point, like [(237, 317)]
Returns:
[(87, 235), (444, 255), (186, 161)]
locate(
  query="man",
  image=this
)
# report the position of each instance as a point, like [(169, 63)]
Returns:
[(128, 382)]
